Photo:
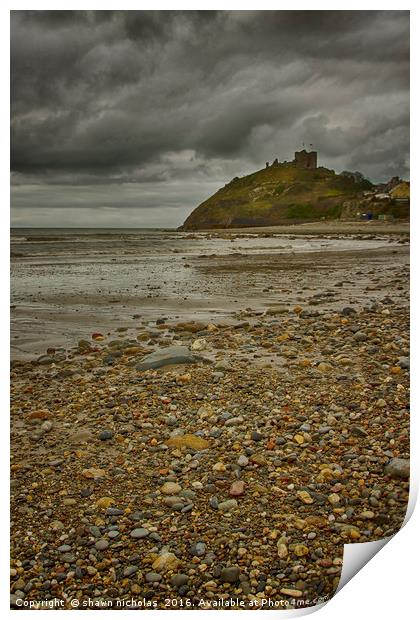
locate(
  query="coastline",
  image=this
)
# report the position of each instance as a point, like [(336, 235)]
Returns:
[(192, 283)]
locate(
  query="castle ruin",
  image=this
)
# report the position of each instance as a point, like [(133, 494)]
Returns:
[(303, 159)]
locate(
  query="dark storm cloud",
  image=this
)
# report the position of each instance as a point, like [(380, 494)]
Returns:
[(109, 97)]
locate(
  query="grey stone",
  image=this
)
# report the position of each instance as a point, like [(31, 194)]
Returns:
[(101, 544), (153, 577), (179, 580), (358, 431), (214, 502), (45, 359), (230, 574), (228, 505), (130, 570), (198, 549), (348, 310), (139, 532), (234, 421), (172, 500), (360, 337), (398, 468), (95, 531), (114, 512), (177, 354)]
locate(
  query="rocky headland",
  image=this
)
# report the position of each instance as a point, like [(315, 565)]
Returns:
[(285, 193)]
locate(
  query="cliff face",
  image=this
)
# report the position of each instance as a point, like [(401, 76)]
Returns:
[(276, 195)]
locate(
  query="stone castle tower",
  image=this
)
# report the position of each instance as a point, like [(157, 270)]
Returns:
[(303, 159)]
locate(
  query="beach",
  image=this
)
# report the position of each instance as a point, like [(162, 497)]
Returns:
[(68, 283), (205, 417)]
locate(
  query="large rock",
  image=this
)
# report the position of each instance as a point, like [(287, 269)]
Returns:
[(177, 354), (398, 468)]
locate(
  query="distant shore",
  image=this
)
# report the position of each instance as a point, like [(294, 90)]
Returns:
[(320, 228)]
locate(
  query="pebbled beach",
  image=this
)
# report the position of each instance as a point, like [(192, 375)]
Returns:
[(218, 438)]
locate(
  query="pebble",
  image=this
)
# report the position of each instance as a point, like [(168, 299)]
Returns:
[(170, 488), (214, 502), (398, 468), (166, 561), (305, 497), (230, 574), (358, 431), (294, 593), (282, 550), (404, 362), (237, 488), (334, 499), (198, 549), (139, 532), (228, 505), (180, 579)]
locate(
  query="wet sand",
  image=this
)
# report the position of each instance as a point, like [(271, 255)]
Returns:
[(62, 291)]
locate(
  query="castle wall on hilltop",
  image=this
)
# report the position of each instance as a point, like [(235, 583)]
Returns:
[(303, 159)]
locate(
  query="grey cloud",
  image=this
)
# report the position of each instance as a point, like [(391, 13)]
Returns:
[(114, 97)]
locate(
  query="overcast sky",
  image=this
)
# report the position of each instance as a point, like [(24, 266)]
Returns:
[(134, 118)]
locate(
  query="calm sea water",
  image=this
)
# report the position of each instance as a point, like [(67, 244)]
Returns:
[(83, 243)]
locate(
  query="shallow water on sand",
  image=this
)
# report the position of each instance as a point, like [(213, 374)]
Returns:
[(66, 283)]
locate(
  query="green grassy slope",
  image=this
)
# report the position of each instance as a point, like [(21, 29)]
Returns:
[(275, 195)]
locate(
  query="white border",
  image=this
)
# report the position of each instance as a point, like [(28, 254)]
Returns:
[(385, 588)]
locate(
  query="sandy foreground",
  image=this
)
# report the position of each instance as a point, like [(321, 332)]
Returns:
[(232, 479)]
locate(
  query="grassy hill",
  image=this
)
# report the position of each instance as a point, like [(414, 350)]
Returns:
[(401, 191), (276, 195)]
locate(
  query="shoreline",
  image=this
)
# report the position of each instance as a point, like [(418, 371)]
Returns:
[(321, 227)]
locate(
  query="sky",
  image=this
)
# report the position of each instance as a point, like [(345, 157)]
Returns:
[(132, 118)]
